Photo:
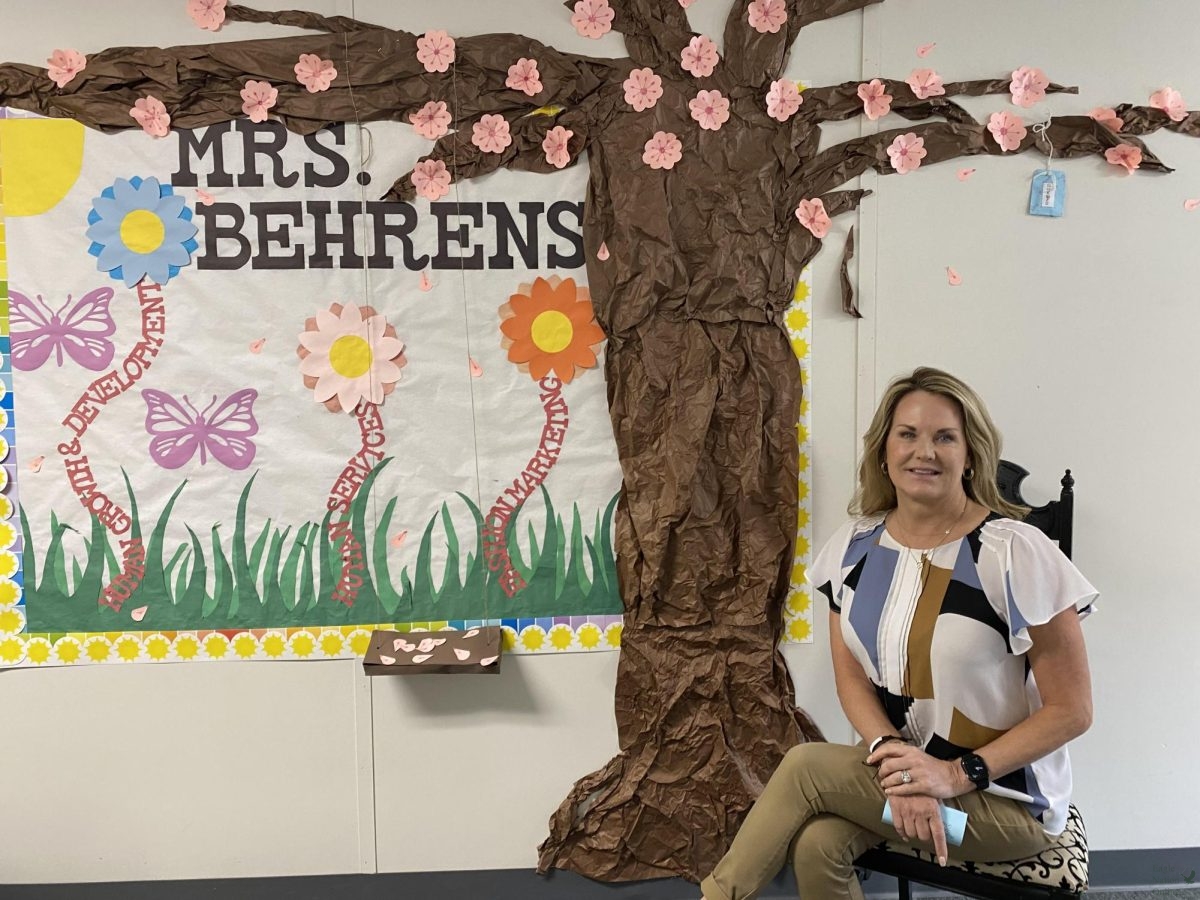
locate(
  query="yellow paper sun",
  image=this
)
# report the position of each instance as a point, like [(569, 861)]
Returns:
[(359, 642), (274, 645), (508, 638), (10, 593), (613, 634), (561, 637), (590, 636), (67, 650), (128, 648), (97, 649), (216, 646), (37, 650), (12, 650), (11, 621), (799, 630), (245, 646), (533, 638), (303, 644), (550, 326), (331, 643), (157, 647), (186, 646)]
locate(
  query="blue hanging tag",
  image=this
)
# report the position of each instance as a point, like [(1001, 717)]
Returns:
[(1048, 193)]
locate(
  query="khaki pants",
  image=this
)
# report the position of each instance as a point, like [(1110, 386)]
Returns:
[(823, 807)]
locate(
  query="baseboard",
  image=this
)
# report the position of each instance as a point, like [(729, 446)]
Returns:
[(1108, 868)]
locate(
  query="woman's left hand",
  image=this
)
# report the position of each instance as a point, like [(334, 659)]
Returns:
[(927, 775)]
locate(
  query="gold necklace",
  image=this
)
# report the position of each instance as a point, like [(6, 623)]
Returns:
[(925, 554)]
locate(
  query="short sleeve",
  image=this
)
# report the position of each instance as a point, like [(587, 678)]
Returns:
[(825, 573)]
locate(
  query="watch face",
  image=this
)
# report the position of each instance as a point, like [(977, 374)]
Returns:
[(976, 769)]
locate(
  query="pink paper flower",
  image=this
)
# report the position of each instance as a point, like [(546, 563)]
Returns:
[(63, 65), (435, 51), (150, 113), (431, 179), (523, 76), (876, 101), (1126, 156), (783, 99), (686, 3), (642, 89), (554, 145), (906, 152), (491, 134), (432, 120), (593, 18), (1008, 130), (699, 57), (812, 216), (314, 73), (1107, 117), (1171, 102), (1028, 86), (662, 151), (208, 14), (926, 83), (257, 98), (710, 109), (766, 15)]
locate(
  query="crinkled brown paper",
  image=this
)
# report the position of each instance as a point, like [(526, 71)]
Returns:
[(704, 387)]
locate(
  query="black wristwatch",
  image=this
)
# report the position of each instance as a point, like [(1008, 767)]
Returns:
[(976, 770)]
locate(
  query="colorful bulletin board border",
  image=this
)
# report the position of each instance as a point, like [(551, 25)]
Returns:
[(797, 612)]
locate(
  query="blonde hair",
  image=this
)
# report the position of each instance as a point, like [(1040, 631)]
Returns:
[(877, 494)]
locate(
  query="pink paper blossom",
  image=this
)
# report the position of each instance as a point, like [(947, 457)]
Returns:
[(1126, 156), (710, 109), (926, 83), (554, 145), (699, 57), (63, 65), (435, 51), (257, 98), (783, 99), (662, 151), (1028, 86), (1008, 130), (491, 134), (642, 89), (812, 216), (150, 113), (686, 3), (1107, 117), (906, 152), (593, 18), (1171, 102), (431, 179), (208, 14), (314, 73), (523, 76), (876, 101), (766, 15), (432, 120)]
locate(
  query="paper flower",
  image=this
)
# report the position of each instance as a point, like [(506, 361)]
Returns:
[(140, 228), (208, 14), (710, 109), (642, 89), (686, 3), (523, 76), (432, 120), (554, 145), (1008, 130), (1171, 102), (150, 113), (1107, 117), (766, 15), (314, 73), (550, 326), (435, 51), (699, 57), (431, 179), (1028, 86), (1126, 156), (63, 65), (812, 215), (906, 152), (662, 151), (349, 355), (783, 99), (593, 18), (876, 100), (257, 98), (491, 134), (926, 83)]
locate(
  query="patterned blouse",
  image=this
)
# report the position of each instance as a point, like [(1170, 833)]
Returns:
[(943, 639)]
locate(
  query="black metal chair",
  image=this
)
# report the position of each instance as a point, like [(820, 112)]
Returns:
[(1058, 873)]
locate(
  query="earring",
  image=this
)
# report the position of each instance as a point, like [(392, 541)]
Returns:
[(968, 474), (883, 467)]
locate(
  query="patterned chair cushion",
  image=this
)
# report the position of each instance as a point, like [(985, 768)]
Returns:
[(1063, 865)]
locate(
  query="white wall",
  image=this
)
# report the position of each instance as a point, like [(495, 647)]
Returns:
[(1079, 332)]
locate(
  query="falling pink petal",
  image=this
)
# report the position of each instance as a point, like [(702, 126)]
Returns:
[(925, 49), (421, 657), (257, 345), (387, 660), (964, 174), (64, 65), (462, 654), (425, 284), (471, 633), (602, 252), (398, 538), (138, 614), (476, 368), (953, 277), (35, 464), (204, 197), (487, 661), (1192, 204)]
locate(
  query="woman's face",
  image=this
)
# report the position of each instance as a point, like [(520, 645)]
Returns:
[(926, 449)]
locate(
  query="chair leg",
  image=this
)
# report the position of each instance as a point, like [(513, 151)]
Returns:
[(905, 890)]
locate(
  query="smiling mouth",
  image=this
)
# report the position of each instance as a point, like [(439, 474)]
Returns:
[(924, 472)]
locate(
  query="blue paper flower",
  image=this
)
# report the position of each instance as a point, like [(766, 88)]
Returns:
[(141, 228)]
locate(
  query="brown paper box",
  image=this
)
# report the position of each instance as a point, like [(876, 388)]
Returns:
[(475, 651)]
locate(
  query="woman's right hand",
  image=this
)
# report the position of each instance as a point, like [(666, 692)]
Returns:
[(919, 817)]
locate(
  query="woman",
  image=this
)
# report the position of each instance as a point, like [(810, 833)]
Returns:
[(957, 654)]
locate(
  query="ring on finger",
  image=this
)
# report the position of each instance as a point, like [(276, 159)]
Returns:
[(905, 776)]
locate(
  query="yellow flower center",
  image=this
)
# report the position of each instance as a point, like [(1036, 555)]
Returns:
[(552, 331), (142, 231), (350, 356)]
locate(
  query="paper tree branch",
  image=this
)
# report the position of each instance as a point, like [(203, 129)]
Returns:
[(655, 32), (841, 101)]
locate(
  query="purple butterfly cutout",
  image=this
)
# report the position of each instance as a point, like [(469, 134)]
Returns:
[(177, 433), (82, 330)]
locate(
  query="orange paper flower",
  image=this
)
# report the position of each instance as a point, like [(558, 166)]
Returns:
[(550, 326)]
